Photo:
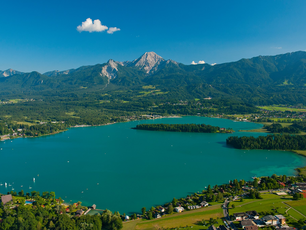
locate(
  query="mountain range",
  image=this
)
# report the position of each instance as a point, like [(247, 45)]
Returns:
[(258, 80)]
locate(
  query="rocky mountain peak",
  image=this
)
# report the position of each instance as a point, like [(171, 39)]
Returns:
[(9, 72), (148, 61), (110, 69)]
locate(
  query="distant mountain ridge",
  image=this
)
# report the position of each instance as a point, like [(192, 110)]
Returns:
[(9, 72), (259, 80)]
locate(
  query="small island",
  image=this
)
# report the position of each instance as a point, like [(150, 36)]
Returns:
[(193, 128)]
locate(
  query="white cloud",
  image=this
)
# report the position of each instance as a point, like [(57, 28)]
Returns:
[(111, 30), (199, 62), (277, 47), (90, 26), (213, 64)]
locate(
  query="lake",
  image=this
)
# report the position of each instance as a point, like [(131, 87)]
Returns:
[(123, 169)]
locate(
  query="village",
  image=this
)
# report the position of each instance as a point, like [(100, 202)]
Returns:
[(276, 202)]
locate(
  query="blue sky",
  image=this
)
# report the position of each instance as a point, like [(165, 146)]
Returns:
[(43, 36)]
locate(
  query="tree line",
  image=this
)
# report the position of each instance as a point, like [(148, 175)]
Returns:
[(296, 127), (276, 142), (196, 128)]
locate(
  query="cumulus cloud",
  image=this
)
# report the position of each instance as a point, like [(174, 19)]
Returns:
[(213, 64), (199, 62), (111, 30), (90, 26)]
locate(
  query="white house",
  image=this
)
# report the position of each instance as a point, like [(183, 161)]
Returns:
[(179, 209)]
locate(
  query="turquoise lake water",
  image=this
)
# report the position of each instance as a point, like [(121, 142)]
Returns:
[(123, 169)]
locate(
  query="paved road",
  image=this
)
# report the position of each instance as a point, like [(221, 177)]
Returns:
[(226, 215)]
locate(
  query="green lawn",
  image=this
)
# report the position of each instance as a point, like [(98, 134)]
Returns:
[(269, 202), (280, 108), (25, 123), (187, 218), (295, 214), (299, 205)]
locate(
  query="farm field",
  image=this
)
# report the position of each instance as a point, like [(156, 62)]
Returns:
[(298, 205), (187, 218), (281, 108), (269, 202)]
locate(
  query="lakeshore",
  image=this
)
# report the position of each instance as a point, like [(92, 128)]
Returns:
[(92, 152)]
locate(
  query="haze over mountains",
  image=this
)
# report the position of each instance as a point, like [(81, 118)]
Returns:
[(259, 80)]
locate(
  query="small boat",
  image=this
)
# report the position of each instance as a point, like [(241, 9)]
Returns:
[(1, 184), (21, 186), (30, 187), (33, 179), (5, 184), (13, 189)]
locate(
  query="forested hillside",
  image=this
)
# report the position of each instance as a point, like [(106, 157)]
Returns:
[(260, 80)]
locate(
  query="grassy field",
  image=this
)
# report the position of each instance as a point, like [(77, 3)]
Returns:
[(25, 123), (298, 205), (148, 87), (300, 152), (187, 218), (295, 214), (262, 130), (191, 219), (269, 202), (280, 108)]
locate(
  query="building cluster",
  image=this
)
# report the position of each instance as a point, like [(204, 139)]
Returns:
[(299, 188), (250, 221)]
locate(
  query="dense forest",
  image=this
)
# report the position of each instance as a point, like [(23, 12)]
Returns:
[(278, 128), (195, 128), (276, 142)]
